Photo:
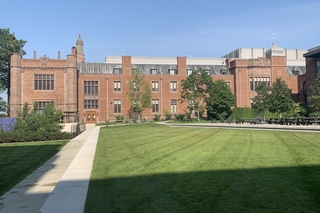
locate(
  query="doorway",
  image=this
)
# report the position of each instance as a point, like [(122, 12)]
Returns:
[(91, 117)]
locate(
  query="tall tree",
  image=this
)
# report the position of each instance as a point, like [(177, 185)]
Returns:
[(220, 100), (260, 101), (8, 45), (195, 89), (315, 97), (3, 105), (139, 93), (280, 100)]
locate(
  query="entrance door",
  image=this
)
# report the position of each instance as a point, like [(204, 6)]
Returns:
[(91, 117)]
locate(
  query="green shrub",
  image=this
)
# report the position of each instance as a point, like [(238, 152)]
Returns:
[(157, 117), (240, 112), (179, 117), (11, 137), (119, 117)]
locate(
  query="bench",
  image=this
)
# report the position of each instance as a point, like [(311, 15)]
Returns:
[(256, 120)]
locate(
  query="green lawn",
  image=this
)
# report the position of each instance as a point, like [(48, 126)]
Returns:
[(154, 168), (18, 160)]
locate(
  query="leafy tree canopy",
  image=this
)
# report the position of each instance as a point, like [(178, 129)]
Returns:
[(195, 88), (260, 101), (280, 100), (8, 45), (315, 97), (220, 100), (3, 105), (139, 93), (31, 121)]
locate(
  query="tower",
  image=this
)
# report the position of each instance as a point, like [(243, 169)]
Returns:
[(80, 51)]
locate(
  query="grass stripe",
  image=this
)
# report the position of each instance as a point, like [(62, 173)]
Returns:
[(154, 168)]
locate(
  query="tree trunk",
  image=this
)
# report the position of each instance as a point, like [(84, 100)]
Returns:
[(198, 116)]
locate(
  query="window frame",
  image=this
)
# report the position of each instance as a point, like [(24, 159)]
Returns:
[(173, 71), (153, 71), (90, 104), (173, 86), (117, 86), (155, 86), (41, 106), (173, 105), (155, 105), (91, 88), (43, 82), (117, 71), (117, 106)]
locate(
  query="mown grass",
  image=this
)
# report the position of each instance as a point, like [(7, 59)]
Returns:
[(154, 168), (18, 160)]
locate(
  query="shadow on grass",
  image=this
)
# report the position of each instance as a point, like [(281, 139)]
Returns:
[(286, 189), (18, 161)]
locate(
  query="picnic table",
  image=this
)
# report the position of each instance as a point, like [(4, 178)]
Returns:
[(298, 121), (256, 120)]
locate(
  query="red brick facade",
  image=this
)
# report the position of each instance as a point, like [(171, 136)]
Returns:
[(71, 83)]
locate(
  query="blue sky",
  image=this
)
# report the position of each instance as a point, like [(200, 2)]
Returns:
[(203, 28)]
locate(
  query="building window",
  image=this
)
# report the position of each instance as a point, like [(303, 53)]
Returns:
[(155, 86), (117, 85), (90, 87), (155, 105), (43, 82), (191, 103), (228, 84), (117, 71), (255, 81), (189, 71), (40, 106), (251, 83), (117, 106), (173, 72), (173, 86), (173, 106), (90, 104), (153, 71), (251, 103), (223, 71)]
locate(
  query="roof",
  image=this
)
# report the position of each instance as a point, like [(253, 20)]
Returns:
[(313, 52)]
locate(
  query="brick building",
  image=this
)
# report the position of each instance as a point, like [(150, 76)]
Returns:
[(312, 58), (93, 92)]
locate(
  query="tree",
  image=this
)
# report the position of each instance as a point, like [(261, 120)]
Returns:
[(220, 100), (139, 93), (260, 101), (195, 89), (280, 100), (8, 45), (315, 97), (299, 110), (33, 121), (3, 105)]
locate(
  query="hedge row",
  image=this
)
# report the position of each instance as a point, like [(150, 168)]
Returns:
[(11, 137), (250, 113)]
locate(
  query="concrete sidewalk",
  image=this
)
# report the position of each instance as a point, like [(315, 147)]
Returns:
[(59, 185)]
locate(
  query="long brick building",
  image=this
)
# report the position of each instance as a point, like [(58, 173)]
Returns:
[(94, 92)]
